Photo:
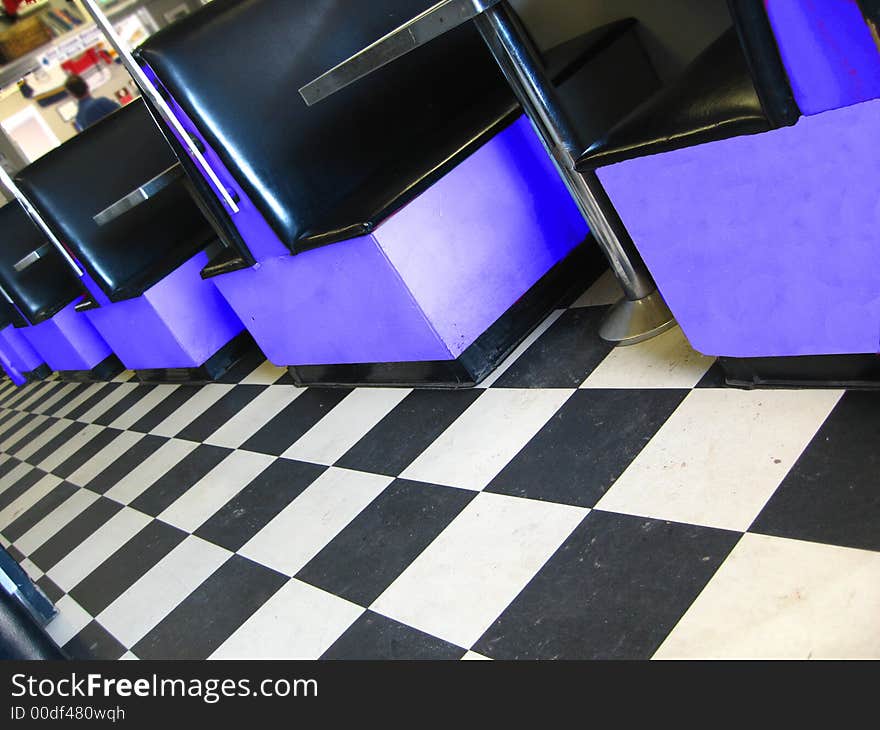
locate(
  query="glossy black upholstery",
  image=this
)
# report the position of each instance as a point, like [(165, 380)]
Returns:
[(44, 288), (737, 86), (9, 315), (85, 175), (325, 173), (22, 638)]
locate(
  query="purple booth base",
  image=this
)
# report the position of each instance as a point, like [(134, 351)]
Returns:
[(179, 329), (766, 246), (20, 358), (438, 293), (69, 344)]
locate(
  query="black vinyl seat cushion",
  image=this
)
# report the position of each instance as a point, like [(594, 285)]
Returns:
[(714, 99), (325, 173), (46, 287), (85, 175), (737, 86), (9, 316)]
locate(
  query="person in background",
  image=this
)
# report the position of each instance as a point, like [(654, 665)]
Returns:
[(90, 109)]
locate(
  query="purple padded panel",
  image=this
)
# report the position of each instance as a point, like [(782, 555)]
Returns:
[(427, 282), (18, 351), (476, 241), (765, 245), (68, 341), (828, 51), (180, 322)]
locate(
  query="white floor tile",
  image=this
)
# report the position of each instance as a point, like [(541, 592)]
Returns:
[(665, 361), (131, 616), (504, 366), (68, 449), (128, 657), (473, 656), (124, 376), (215, 489), (25, 403), (104, 458), (313, 519), (265, 374), (20, 433), (60, 392), (194, 407), (79, 400), (105, 404), (24, 395), (720, 456), (784, 599), (13, 475), (34, 573), (96, 548), (145, 474), (474, 449), (10, 418), (24, 502), (38, 442), (464, 580), (346, 424), (298, 622), (144, 406), (254, 416), (603, 292), (55, 520), (70, 620)]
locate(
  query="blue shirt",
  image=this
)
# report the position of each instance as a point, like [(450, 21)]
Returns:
[(93, 109)]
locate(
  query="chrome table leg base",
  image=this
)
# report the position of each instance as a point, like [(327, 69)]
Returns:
[(632, 321)]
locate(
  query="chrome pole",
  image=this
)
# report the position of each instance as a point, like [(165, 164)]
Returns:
[(150, 91), (642, 313)]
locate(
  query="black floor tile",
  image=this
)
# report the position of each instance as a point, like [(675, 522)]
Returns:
[(248, 362), (88, 450), (74, 393), (410, 428), (57, 547), (374, 636), (291, 424), (44, 396), (211, 613), (8, 431), (220, 413), (176, 399), (45, 451), (44, 390), (94, 642), (258, 503), (8, 465), (177, 480), (43, 507), (587, 445), (713, 378), (93, 400), (140, 391), (126, 566), (126, 463), (26, 439), (15, 554), (377, 546), (52, 591), (832, 493), (14, 491), (614, 590), (563, 356)]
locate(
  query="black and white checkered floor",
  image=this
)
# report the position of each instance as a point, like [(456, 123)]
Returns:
[(583, 503)]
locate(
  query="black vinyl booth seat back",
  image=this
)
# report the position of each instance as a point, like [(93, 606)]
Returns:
[(85, 175), (48, 285), (329, 172), (737, 86), (9, 315)]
